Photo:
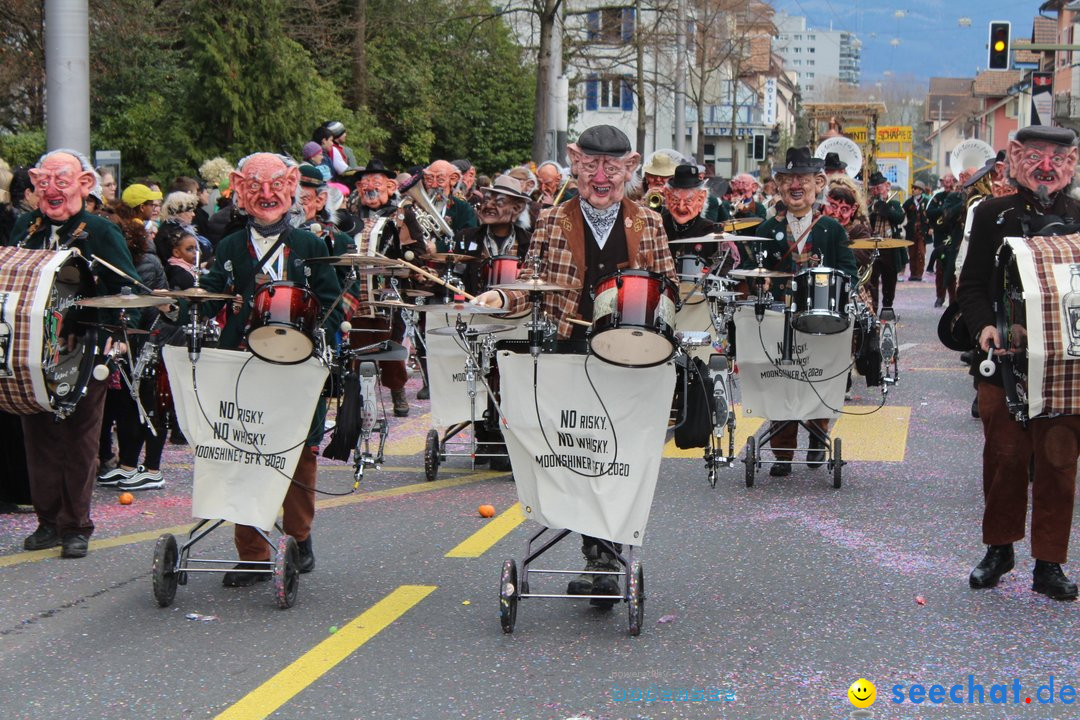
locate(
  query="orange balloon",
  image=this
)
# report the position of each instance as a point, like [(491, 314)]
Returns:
[(486, 510), (126, 498)]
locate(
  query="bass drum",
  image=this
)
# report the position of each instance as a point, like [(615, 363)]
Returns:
[(634, 319), (48, 348), (282, 324)]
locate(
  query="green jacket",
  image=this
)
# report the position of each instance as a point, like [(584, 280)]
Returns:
[(827, 239), (103, 239)]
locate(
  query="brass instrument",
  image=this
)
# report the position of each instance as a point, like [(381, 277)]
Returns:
[(654, 200), (431, 222)]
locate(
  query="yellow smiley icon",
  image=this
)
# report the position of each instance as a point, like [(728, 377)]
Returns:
[(862, 693)]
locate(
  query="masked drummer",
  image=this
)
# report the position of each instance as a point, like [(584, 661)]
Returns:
[(500, 232), (1042, 160), (581, 241), (270, 249), (61, 454), (802, 238), (684, 201)]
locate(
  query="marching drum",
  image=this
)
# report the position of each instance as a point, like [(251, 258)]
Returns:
[(283, 321), (47, 354), (633, 319), (821, 296)]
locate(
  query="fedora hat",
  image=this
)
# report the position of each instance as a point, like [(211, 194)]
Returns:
[(833, 162), (375, 167), (952, 331), (685, 177), (799, 161), (507, 185), (876, 178), (660, 165)]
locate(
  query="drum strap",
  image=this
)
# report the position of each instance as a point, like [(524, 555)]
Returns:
[(795, 244), (260, 263), (78, 231)]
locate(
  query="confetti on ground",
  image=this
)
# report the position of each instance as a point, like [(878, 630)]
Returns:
[(201, 618), (667, 619)]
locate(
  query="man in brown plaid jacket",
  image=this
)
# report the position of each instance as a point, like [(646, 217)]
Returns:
[(1041, 161), (579, 242)]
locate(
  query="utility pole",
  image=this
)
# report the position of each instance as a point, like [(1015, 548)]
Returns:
[(554, 77), (67, 75), (639, 42), (680, 77)]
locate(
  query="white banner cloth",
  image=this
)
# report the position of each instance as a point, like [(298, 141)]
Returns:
[(587, 466), (246, 436), (783, 392), (446, 368)]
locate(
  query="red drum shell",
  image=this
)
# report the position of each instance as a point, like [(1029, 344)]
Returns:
[(281, 328), (633, 319)]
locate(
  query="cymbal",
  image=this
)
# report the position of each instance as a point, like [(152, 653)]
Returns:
[(759, 273), (460, 307), (472, 330), (737, 224), (122, 301), (534, 285), (449, 258), (119, 328), (392, 304), (743, 238), (693, 240), (194, 294), (406, 293), (357, 260), (879, 243)]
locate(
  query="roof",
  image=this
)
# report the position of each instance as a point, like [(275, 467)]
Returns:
[(1025, 56), (947, 98), (1044, 30), (995, 83), (949, 86)]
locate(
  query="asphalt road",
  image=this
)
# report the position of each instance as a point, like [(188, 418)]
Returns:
[(772, 600)]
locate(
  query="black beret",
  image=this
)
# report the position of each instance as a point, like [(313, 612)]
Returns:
[(1045, 133), (604, 140)]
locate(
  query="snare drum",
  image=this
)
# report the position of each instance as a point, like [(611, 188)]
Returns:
[(633, 319), (47, 354), (690, 267), (283, 321), (821, 298), (500, 270)]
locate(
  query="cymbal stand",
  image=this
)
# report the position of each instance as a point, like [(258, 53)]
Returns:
[(137, 368)]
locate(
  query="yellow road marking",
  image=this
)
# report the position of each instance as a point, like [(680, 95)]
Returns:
[(266, 699), (878, 437), (493, 531), (415, 429), (133, 538), (875, 437)]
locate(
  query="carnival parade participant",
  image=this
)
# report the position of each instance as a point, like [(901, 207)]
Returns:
[(269, 249), (917, 228), (804, 238), (945, 211), (886, 214), (684, 200), (743, 201), (581, 241), (1042, 160), (61, 453)]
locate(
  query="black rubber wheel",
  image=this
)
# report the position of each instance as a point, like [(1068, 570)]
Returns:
[(838, 463), (508, 596), (750, 460), (431, 455), (164, 573), (286, 572), (635, 597)]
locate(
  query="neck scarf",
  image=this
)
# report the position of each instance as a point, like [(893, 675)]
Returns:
[(600, 221)]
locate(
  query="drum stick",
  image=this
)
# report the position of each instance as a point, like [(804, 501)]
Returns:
[(123, 274)]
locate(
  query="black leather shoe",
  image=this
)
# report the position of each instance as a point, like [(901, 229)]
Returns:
[(423, 393), (74, 546), (975, 408), (41, 539), (780, 470), (307, 556), (815, 458), (999, 560), (245, 579), (1050, 580)]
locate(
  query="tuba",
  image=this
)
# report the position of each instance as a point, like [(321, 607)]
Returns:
[(431, 221)]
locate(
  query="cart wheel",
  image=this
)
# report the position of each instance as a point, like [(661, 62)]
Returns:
[(286, 572), (837, 463), (508, 596), (164, 572), (431, 455), (750, 460), (635, 597)]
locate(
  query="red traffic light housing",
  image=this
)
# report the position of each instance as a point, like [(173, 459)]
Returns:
[(998, 49)]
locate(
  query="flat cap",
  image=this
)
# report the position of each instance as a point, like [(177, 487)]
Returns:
[(1045, 133), (604, 140)]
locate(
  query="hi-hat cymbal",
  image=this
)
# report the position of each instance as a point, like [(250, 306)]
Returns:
[(120, 328), (534, 285), (358, 260), (449, 258), (393, 304), (193, 294), (405, 293), (758, 273), (737, 224), (879, 243), (460, 307), (122, 301), (743, 238), (473, 330)]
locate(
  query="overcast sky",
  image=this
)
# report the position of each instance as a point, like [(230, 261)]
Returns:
[(920, 39)]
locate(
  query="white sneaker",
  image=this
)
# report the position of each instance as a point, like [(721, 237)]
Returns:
[(112, 478), (142, 480)]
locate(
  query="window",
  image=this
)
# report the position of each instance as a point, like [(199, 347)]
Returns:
[(797, 62), (609, 92), (810, 49), (798, 49), (809, 74), (809, 62), (611, 25), (798, 37)]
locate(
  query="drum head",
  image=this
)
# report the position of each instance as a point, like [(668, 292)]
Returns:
[(819, 322), (279, 344), (631, 347)]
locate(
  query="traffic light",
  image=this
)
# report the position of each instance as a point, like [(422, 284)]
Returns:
[(759, 147), (998, 47)]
